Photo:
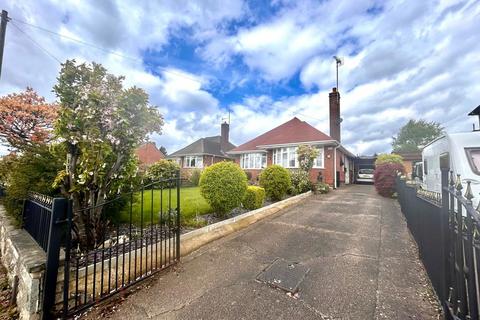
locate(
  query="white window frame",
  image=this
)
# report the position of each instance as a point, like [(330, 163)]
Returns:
[(198, 162), (283, 157), (255, 160), (321, 156)]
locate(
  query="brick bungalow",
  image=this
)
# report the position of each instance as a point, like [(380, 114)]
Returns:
[(148, 154), (334, 165), (204, 152)]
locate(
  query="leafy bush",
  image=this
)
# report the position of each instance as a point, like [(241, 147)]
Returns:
[(384, 178), (276, 181), (195, 177), (300, 182), (388, 158), (223, 185), (254, 198), (31, 171), (162, 169), (322, 187), (306, 157)]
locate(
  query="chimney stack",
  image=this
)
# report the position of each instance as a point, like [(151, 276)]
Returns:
[(224, 136), (335, 120)]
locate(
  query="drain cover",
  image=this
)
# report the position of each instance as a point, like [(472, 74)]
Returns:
[(284, 275)]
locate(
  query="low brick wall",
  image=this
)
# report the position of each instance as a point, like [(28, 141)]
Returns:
[(25, 260), (193, 240)]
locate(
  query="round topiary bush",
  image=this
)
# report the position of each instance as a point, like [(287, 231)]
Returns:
[(254, 198), (223, 185), (384, 178), (276, 181)]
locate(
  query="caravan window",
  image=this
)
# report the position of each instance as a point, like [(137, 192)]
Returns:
[(425, 167), (473, 155)]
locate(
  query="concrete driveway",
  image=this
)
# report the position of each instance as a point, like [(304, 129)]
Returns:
[(363, 265)]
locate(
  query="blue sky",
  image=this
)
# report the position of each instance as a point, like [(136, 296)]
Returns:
[(264, 61)]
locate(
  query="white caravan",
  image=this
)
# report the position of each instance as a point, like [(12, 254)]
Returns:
[(459, 151)]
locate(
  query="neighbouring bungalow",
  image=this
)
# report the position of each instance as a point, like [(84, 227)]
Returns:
[(148, 154), (334, 164), (204, 152)]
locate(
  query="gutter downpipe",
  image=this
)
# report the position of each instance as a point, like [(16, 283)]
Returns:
[(335, 166)]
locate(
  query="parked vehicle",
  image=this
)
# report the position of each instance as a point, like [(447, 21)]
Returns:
[(365, 176), (458, 151)]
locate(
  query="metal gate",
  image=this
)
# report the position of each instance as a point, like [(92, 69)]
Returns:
[(141, 237)]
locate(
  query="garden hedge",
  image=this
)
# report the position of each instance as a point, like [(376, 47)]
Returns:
[(254, 198), (384, 178), (276, 181), (162, 169)]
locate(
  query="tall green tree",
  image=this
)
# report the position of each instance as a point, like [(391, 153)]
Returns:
[(100, 123), (414, 134)]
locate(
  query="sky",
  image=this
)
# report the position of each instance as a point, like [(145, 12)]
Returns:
[(262, 62)]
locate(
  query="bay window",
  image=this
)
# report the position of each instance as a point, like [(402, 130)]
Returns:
[(193, 162), (286, 157), (256, 160)]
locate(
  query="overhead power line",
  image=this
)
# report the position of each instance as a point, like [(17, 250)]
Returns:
[(36, 43)]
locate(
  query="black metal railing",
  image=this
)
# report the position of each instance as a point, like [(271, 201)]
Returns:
[(37, 217), (446, 229), (43, 218), (143, 238)]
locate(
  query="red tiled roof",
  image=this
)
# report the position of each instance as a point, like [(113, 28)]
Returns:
[(292, 131), (148, 154)]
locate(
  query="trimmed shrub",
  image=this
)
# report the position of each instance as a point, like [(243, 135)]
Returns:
[(195, 177), (223, 185), (300, 182), (388, 158), (322, 187), (276, 181), (384, 178), (162, 169), (254, 198)]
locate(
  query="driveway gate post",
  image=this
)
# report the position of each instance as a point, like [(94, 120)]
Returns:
[(59, 209)]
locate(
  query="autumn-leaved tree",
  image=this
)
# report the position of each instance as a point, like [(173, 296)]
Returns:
[(100, 124), (25, 119)]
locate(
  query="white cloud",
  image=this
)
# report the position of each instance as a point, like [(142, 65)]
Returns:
[(409, 59)]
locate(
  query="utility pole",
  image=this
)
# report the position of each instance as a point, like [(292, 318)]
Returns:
[(3, 31)]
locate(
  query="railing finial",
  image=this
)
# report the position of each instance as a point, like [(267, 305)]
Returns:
[(468, 193), (458, 184)]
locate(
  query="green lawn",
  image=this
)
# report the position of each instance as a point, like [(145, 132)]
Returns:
[(191, 204)]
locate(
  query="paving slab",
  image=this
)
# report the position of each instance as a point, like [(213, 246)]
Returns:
[(362, 264)]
